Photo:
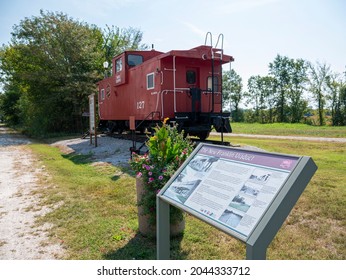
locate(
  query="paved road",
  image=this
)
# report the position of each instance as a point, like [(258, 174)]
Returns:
[(322, 139)]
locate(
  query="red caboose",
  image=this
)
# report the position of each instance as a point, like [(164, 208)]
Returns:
[(148, 86)]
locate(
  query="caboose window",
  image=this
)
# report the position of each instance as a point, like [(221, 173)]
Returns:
[(190, 77), (150, 81), (103, 94), (216, 84), (118, 65), (134, 59)]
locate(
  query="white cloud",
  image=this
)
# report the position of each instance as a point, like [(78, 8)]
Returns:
[(195, 29)]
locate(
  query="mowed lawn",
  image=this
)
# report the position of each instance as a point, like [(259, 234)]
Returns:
[(289, 129), (97, 213)]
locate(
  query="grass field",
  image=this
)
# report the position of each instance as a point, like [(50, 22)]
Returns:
[(97, 218), (289, 129)]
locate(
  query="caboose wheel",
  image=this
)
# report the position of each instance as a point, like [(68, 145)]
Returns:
[(110, 127), (120, 130), (203, 135)]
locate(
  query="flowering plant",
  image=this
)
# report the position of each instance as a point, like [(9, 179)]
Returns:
[(167, 150)]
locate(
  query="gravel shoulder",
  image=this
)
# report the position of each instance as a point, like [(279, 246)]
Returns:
[(21, 238)]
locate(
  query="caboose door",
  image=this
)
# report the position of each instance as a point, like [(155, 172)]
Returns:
[(193, 103)]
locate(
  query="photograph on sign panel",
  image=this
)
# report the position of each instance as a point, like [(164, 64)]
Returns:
[(202, 164), (260, 176), (181, 190), (250, 189), (231, 218), (241, 203), (190, 177)]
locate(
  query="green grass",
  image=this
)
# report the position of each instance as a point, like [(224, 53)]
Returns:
[(289, 129), (97, 218), (98, 205)]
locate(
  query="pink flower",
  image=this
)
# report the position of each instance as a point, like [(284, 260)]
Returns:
[(139, 175), (150, 173), (160, 177), (151, 179)]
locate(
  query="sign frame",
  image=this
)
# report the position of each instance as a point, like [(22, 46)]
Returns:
[(298, 175)]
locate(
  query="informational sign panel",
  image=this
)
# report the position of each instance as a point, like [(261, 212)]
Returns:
[(92, 118), (232, 188), (247, 194), (92, 112)]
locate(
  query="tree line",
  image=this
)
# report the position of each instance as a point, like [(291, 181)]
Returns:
[(293, 91), (51, 65)]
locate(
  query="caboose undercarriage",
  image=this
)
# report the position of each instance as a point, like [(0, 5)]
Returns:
[(192, 123), (200, 124)]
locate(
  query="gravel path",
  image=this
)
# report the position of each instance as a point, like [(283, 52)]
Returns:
[(110, 150), (20, 237)]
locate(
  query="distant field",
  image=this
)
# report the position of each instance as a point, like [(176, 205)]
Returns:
[(290, 129)]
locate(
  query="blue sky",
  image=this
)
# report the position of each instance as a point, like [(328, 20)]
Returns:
[(255, 31)]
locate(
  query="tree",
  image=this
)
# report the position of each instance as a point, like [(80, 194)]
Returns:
[(298, 79), (232, 92), (342, 106), (318, 78), (267, 85), (11, 86), (290, 78), (9, 104), (280, 70), (58, 61), (116, 41), (337, 98), (254, 94), (262, 92)]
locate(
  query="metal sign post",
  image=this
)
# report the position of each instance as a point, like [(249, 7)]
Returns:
[(246, 194), (163, 229)]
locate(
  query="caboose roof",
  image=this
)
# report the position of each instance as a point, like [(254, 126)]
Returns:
[(198, 52)]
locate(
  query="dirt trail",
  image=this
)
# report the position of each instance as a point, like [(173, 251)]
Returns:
[(20, 237)]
